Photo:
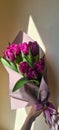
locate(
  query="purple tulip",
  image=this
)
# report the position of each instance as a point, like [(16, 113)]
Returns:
[(23, 67), (39, 66), (31, 74), (8, 55), (15, 48), (34, 48), (42, 62), (24, 48)]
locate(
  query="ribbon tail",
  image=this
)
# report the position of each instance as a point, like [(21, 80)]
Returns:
[(48, 117), (52, 109)]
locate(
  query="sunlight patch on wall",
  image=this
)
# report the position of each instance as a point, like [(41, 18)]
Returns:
[(34, 34), (20, 118)]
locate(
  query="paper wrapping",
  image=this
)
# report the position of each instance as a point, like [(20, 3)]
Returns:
[(21, 98)]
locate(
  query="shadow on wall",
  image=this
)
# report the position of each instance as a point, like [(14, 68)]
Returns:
[(52, 82), (46, 19)]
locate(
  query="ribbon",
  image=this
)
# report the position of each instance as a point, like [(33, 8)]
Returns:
[(50, 114)]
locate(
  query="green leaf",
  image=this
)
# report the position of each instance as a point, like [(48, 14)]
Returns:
[(9, 64), (31, 58), (13, 66), (36, 58), (27, 59), (21, 82), (19, 58), (35, 81), (6, 63), (23, 57)]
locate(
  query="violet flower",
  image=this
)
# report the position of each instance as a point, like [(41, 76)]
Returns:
[(8, 55), (39, 66), (34, 48), (24, 48), (23, 67), (15, 48), (42, 62), (31, 74)]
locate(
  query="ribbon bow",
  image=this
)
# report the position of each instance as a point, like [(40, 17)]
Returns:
[(50, 114)]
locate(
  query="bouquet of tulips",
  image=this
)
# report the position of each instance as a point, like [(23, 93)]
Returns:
[(24, 58), (27, 77), (24, 61)]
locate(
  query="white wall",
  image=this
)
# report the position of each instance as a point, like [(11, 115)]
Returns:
[(14, 16)]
